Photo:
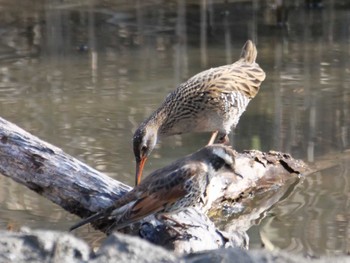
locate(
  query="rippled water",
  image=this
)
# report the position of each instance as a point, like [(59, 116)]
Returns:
[(84, 77)]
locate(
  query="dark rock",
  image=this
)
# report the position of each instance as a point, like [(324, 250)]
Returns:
[(124, 248)]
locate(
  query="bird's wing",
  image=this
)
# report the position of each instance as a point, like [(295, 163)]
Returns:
[(244, 76), (238, 77), (147, 205), (159, 190), (164, 192), (122, 201)]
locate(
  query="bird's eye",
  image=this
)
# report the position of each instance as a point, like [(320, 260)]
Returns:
[(217, 163), (228, 166)]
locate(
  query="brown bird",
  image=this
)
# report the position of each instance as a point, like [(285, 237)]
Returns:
[(170, 189), (211, 101)]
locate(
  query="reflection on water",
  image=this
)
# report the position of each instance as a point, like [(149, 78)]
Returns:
[(314, 219), (84, 77)]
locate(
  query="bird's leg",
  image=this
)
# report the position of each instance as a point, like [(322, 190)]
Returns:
[(182, 234), (177, 223), (164, 217), (213, 137)]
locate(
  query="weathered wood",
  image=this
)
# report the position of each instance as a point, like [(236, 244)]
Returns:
[(83, 191), (50, 172)]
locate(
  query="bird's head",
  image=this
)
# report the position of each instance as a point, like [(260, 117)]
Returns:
[(221, 157), (144, 140)]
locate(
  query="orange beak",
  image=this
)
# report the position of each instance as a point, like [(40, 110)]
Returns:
[(139, 168)]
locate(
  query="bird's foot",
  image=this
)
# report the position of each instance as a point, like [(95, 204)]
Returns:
[(176, 224)]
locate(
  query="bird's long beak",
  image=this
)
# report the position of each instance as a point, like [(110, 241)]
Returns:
[(139, 168)]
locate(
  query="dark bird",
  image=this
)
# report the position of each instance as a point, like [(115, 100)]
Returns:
[(211, 101), (170, 189)]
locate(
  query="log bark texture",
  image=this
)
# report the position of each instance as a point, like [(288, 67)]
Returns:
[(83, 190)]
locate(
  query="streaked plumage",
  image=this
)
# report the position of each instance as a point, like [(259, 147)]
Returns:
[(170, 189), (211, 101)]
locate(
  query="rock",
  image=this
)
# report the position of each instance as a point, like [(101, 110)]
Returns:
[(42, 246), (229, 255), (125, 248), (49, 246), (220, 256)]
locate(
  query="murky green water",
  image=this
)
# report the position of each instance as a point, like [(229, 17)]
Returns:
[(82, 77)]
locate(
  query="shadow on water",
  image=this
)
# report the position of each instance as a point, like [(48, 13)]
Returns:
[(84, 76)]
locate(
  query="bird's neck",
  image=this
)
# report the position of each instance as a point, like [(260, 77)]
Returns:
[(157, 120)]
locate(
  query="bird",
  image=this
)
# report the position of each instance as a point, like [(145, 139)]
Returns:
[(211, 101), (170, 189)]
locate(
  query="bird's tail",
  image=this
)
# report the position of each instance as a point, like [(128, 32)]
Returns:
[(87, 220), (249, 52)]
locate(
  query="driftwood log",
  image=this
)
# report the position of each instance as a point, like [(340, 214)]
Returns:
[(83, 191)]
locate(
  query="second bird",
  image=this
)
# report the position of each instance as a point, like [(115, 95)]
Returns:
[(211, 101), (168, 190)]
